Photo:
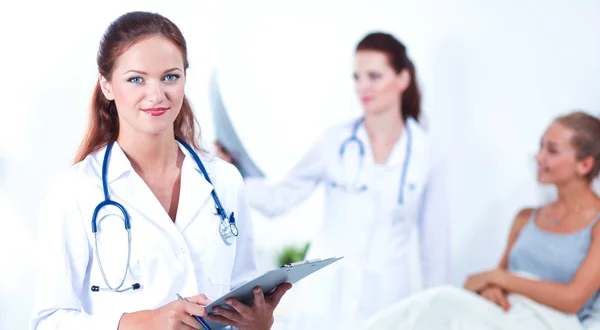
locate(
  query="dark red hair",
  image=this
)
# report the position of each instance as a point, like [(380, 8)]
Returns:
[(398, 60), (125, 31)]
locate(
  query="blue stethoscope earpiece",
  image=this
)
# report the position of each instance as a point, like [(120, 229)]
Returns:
[(228, 229)]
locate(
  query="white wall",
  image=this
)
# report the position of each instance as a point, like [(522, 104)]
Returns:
[(493, 74), (516, 64)]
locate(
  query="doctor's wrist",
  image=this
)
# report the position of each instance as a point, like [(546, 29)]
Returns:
[(134, 321)]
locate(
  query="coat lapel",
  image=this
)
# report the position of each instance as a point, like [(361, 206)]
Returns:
[(126, 187), (129, 189), (195, 193)]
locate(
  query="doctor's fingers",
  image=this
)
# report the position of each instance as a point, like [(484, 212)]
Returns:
[(199, 299), (225, 316), (239, 308), (259, 297), (222, 152), (177, 316), (189, 323), (275, 296), (187, 313), (193, 309), (224, 320)]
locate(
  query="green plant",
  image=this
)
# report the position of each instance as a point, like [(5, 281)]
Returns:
[(291, 254)]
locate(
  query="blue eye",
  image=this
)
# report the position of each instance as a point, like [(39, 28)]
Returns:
[(171, 77), (135, 80)]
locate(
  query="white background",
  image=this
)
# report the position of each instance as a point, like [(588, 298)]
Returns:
[(493, 74)]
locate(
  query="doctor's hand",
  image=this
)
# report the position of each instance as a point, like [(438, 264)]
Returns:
[(223, 153), (496, 295), (176, 315), (258, 316)]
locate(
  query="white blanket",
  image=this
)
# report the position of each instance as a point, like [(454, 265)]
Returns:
[(453, 308)]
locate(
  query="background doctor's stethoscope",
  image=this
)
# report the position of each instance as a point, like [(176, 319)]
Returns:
[(354, 142), (352, 154)]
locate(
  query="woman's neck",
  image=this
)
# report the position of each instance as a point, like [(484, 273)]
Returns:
[(150, 154), (384, 127), (576, 195)]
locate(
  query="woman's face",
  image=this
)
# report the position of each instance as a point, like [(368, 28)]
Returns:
[(557, 158), (147, 85), (378, 86)]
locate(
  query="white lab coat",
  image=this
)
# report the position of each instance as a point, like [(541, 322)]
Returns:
[(186, 257), (380, 265)]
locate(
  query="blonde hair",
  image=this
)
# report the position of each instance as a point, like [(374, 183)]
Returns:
[(587, 137)]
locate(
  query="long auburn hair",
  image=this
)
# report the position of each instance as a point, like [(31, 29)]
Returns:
[(398, 59), (125, 31)]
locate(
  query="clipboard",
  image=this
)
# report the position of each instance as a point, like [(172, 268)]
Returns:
[(268, 282)]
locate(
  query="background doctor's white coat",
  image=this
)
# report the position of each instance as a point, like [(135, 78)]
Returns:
[(493, 74)]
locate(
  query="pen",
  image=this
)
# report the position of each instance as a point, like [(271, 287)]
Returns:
[(196, 317)]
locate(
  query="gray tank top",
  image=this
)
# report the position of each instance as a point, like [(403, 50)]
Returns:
[(552, 256)]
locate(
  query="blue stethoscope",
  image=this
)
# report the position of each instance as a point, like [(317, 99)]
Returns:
[(354, 186), (227, 229)]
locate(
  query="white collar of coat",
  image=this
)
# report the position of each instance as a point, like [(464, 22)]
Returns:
[(194, 188), (398, 152), (119, 165)]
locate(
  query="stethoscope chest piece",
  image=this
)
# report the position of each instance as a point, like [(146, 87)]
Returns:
[(228, 230)]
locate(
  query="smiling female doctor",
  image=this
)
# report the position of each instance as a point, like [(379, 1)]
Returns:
[(386, 205), (142, 216)]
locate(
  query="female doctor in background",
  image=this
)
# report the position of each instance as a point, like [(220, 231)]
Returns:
[(133, 224), (386, 210)]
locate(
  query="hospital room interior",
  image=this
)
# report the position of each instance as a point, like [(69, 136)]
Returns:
[(268, 78)]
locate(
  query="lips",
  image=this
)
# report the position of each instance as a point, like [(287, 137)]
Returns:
[(155, 111)]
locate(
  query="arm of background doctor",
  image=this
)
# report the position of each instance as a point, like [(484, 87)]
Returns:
[(63, 257), (275, 199), (435, 225)]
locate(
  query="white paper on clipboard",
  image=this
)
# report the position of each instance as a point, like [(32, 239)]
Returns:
[(226, 134), (269, 282)]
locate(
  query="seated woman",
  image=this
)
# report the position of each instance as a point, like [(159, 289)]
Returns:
[(549, 275)]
